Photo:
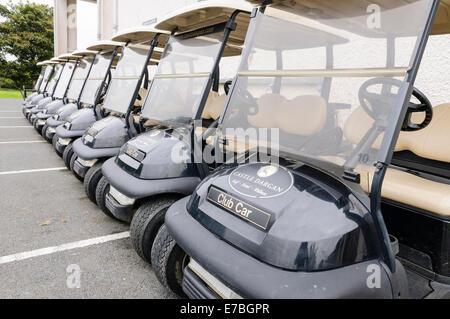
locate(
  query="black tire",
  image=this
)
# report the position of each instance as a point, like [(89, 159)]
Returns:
[(38, 129), (44, 132), (54, 140), (93, 176), (100, 196), (146, 223), (72, 162), (169, 261), (67, 155)]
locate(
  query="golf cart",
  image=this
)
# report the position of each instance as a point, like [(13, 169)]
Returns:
[(59, 97), (157, 167), (59, 68), (124, 98), (76, 85), (49, 71), (91, 98), (315, 221), (37, 85)]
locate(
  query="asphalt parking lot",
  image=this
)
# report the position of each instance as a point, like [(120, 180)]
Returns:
[(54, 243)]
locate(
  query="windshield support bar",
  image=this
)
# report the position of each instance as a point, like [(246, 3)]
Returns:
[(372, 72), (70, 80), (390, 140), (48, 79), (57, 81)]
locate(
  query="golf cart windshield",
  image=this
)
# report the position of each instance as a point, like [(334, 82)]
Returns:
[(344, 125), (47, 75), (39, 80), (126, 76), (64, 80), (81, 72), (182, 75), (96, 77), (55, 78)]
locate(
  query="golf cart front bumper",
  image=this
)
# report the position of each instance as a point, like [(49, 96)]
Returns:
[(88, 156), (61, 144), (230, 273), (130, 189)]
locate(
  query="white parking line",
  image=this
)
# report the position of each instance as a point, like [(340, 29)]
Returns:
[(28, 126), (21, 142), (34, 171), (12, 117), (64, 247)]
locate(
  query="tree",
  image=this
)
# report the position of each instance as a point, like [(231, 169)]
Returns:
[(26, 37)]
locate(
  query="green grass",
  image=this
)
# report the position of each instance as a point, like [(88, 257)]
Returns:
[(10, 94)]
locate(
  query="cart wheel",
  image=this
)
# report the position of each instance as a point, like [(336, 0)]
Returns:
[(93, 176), (54, 140), (146, 222), (169, 261), (67, 155), (72, 162), (100, 196), (44, 133)]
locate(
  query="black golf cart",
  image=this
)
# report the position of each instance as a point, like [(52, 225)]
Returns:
[(314, 221), (59, 97), (124, 98), (158, 167), (72, 100), (91, 99)]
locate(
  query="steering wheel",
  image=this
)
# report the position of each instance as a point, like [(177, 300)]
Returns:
[(378, 105), (246, 98), (227, 85)]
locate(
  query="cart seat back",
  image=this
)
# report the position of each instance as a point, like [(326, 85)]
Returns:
[(214, 106), (275, 111), (428, 143)]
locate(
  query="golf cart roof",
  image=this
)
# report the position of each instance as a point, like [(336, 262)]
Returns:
[(141, 34), (84, 52), (206, 14), (321, 9), (69, 56), (57, 60), (105, 45), (46, 62)]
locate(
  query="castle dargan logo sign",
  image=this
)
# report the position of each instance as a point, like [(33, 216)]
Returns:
[(261, 180)]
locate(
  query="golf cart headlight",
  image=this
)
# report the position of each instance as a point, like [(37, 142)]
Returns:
[(67, 125), (85, 163), (56, 117), (64, 141), (212, 282), (88, 138), (121, 198), (44, 111)]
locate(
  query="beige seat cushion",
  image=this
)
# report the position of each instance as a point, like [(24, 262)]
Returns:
[(214, 106), (430, 143), (267, 106), (142, 94)]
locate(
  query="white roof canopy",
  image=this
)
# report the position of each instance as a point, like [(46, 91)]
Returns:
[(141, 34), (105, 45)]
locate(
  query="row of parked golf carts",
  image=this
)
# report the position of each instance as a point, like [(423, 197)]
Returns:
[(328, 173)]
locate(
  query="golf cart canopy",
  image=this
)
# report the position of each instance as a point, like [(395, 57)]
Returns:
[(84, 52), (142, 34), (46, 62), (185, 72), (105, 46), (69, 57), (130, 68), (66, 75), (57, 60), (331, 86)]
